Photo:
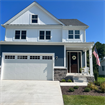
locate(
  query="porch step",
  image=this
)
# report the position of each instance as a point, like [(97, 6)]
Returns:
[(79, 79)]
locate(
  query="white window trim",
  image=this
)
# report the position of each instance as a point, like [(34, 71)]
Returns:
[(20, 35), (74, 36)]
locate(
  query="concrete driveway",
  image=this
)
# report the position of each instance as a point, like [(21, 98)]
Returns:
[(19, 92)]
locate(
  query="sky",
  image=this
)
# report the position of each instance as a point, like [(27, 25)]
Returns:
[(90, 12)]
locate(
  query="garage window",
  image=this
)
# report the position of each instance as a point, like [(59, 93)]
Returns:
[(21, 57), (47, 57), (34, 57), (9, 57)]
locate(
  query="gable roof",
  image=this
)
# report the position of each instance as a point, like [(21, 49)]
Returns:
[(73, 22), (24, 10)]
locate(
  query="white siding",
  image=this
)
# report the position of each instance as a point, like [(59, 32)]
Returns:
[(101, 72), (33, 35), (43, 18), (65, 36)]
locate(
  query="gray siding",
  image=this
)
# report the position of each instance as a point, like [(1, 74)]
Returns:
[(57, 49)]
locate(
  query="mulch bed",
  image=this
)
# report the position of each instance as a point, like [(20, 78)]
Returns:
[(80, 91)]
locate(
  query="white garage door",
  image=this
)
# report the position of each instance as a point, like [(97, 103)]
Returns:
[(27, 67)]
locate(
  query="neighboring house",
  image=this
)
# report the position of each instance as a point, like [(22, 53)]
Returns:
[(102, 67), (38, 46)]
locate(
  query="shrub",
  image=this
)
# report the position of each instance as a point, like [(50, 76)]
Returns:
[(91, 86), (96, 88), (97, 83), (87, 89), (96, 75), (69, 80), (71, 89), (63, 80), (102, 86), (76, 87)]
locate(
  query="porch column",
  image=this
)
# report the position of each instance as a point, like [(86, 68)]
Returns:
[(85, 58), (91, 61)]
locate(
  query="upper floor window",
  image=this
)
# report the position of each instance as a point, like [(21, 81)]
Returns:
[(20, 34), (45, 35), (70, 34), (74, 34), (77, 34), (34, 18)]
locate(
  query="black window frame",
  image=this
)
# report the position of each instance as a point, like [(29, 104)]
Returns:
[(21, 36), (77, 35), (45, 35), (17, 34), (34, 19), (70, 35)]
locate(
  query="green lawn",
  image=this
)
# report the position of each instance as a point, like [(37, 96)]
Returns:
[(101, 79), (83, 100)]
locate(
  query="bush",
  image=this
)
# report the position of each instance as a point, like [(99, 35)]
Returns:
[(76, 87), (69, 80), (71, 90), (63, 80), (102, 86), (97, 83), (96, 88), (96, 75), (87, 89), (91, 86)]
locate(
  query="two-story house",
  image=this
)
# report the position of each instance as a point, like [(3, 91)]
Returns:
[(38, 46)]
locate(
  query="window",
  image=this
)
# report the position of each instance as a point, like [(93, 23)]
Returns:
[(34, 18), (47, 57), (21, 57), (45, 35), (74, 34), (20, 34), (70, 36), (34, 57), (77, 34), (102, 68), (9, 57), (48, 34), (17, 34), (41, 34), (23, 35)]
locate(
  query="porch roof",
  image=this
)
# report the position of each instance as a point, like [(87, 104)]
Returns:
[(74, 45)]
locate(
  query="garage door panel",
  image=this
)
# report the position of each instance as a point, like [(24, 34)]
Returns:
[(28, 69)]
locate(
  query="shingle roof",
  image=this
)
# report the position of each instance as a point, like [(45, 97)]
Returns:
[(73, 22)]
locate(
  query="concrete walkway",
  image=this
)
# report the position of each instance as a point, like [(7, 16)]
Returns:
[(14, 92)]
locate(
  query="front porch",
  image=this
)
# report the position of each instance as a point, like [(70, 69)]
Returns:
[(76, 58)]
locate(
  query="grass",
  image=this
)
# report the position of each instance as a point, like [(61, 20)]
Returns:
[(101, 79), (83, 100)]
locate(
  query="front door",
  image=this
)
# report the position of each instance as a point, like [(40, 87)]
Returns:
[(74, 62)]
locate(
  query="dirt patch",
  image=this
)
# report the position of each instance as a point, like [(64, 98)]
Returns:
[(79, 91)]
